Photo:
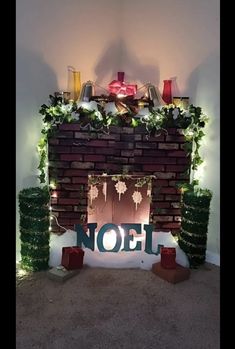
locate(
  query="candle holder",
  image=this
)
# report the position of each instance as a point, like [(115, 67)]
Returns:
[(64, 95), (181, 102), (166, 95)]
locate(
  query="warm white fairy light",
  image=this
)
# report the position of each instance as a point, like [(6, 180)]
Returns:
[(22, 272), (199, 174), (52, 185)]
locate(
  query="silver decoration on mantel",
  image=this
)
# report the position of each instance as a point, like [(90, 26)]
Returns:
[(154, 95), (87, 91)]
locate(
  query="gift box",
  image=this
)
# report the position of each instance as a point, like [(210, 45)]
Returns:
[(72, 257), (168, 255)]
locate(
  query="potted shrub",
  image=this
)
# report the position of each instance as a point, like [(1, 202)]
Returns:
[(34, 228), (195, 210)]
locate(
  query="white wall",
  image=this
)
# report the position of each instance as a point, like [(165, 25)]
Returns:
[(50, 35), (180, 39), (150, 40)]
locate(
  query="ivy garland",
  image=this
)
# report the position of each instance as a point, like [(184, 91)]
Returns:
[(34, 228), (59, 111), (140, 181)]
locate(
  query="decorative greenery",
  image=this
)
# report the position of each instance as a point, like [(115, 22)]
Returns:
[(91, 117), (34, 228), (195, 216), (140, 181), (57, 112)]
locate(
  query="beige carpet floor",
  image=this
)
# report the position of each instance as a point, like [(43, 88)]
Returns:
[(119, 309)]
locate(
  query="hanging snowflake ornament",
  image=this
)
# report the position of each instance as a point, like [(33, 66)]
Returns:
[(149, 189), (93, 193), (121, 188), (137, 198), (104, 190)]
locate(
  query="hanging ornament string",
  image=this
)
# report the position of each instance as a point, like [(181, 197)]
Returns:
[(121, 188), (93, 193), (137, 198), (104, 190), (149, 189)]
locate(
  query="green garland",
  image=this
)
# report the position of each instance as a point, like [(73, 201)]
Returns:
[(195, 217), (192, 121), (34, 228)]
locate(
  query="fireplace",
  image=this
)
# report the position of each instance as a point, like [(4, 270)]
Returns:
[(75, 154)]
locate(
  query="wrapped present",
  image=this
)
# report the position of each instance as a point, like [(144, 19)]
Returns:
[(168, 255), (72, 257)]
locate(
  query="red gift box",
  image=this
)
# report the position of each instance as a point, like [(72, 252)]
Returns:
[(72, 257), (168, 255)]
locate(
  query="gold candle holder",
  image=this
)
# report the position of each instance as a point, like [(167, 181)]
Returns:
[(181, 102)]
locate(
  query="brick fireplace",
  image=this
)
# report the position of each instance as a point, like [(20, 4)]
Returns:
[(74, 153)]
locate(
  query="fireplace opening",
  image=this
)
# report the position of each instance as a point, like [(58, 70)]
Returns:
[(117, 200)]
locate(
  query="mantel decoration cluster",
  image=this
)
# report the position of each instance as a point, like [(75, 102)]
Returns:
[(110, 110)]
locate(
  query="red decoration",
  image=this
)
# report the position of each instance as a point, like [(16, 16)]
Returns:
[(119, 87), (167, 95), (168, 255), (72, 257)]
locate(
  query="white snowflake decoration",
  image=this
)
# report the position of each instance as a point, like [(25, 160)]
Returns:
[(104, 190), (137, 198), (121, 188), (93, 193), (149, 190)]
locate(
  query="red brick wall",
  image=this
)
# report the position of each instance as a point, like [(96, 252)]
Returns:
[(75, 153)]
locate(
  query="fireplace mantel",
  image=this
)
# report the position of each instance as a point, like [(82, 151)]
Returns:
[(74, 153)]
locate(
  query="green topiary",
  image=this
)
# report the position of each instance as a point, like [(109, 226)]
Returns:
[(195, 212), (34, 228)]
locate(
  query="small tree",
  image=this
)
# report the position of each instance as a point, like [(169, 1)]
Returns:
[(34, 228)]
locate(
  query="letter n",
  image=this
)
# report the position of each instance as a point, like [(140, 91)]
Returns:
[(82, 237)]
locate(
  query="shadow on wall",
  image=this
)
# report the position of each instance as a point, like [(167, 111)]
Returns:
[(203, 85), (35, 80), (118, 57), (34, 77), (204, 91)]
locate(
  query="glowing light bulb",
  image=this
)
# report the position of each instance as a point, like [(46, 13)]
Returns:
[(52, 185), (22, 272)]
